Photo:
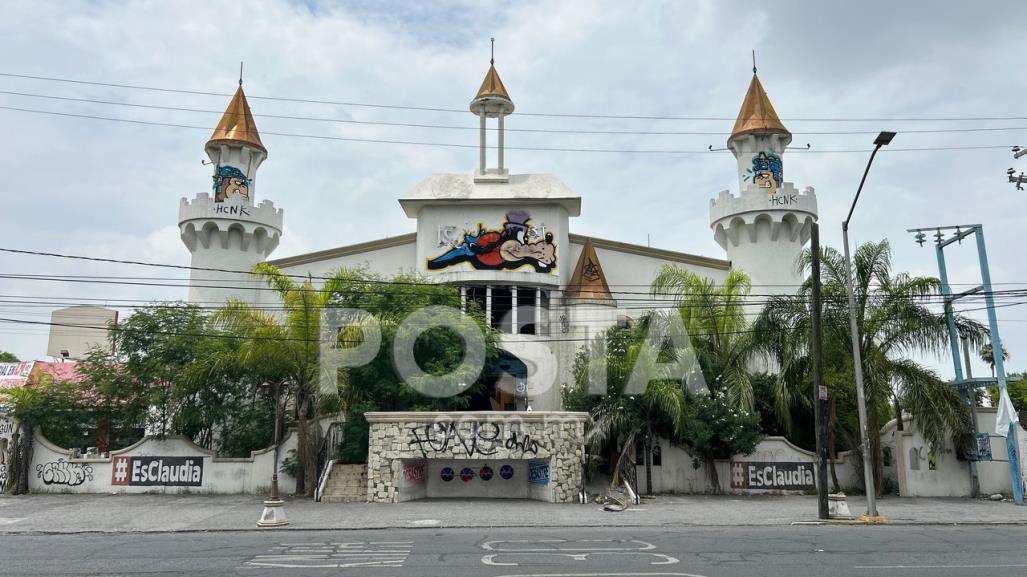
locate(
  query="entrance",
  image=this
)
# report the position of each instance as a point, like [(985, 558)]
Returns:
[(506, 385)]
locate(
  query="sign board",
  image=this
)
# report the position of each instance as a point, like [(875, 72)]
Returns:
[(415, 473), (538, 473), (157, 471), (779, 476), (14, 374)]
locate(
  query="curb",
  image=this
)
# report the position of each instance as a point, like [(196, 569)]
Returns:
[(811, 523)]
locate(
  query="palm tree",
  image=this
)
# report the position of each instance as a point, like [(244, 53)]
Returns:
[(988, 356), (894, 323), (714, 316), (285, 348), (622, 417)]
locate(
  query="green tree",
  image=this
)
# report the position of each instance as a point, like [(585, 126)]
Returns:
[(620, 416), (714, 316), (285, 348), (375, 386), (895, 322), (718, 429), (6, 357), (988, 355)]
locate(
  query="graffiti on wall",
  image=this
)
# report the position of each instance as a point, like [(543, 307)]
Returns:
[(4, 443), (517, 244), (415, 473), (538, 473), (766, 172), (229, 181), (61, 472), (484, 439), (6, 449)]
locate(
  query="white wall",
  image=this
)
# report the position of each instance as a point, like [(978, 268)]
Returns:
[(54, 470), (677, 474), (951, 476), (77, 329)]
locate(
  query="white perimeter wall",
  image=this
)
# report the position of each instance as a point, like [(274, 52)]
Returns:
[(54, 471)]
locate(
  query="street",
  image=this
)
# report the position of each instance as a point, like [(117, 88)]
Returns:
[(792, 551)]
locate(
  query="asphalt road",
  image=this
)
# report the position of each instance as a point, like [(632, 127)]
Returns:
[(795, 551)]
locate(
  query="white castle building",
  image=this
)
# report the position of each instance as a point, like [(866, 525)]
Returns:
[(505, 240)]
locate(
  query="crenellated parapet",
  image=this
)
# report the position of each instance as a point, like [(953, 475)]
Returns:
[(232, 223), (787, 212)]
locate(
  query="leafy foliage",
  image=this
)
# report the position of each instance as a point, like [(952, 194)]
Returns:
[(894, 323), (718, 429)]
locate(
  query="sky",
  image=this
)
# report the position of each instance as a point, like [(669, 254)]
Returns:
[(101, 188)]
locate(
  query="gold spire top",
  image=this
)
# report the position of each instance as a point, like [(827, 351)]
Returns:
[(588, 280), (757, 115), (237, 125), (492, 86)]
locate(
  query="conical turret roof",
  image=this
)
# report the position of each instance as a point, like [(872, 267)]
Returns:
[(237, 125), (492, 86), (588, 280), (757, 115)]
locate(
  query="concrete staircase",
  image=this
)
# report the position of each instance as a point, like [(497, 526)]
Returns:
[(346, 484)]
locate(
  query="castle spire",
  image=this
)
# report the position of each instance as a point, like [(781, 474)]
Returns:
[(757, 115), (237, 125), (588, 280), (492, 101)]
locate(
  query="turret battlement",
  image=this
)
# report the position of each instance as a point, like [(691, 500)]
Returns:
[(755, 201), (205, 221), (204, 207)]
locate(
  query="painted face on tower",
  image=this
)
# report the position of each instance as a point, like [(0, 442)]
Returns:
[(230, 181), (767, 172), (765, 180)]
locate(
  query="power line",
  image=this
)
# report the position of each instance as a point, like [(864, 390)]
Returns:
[(464, 110), (507, 129), (475, 146)]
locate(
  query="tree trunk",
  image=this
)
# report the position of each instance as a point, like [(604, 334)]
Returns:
[(24, 464), (711, 474), (303, 442), (616, 468), (830, 445), (648, 446)]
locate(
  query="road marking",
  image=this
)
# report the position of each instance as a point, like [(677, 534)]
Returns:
[(606, 575), (939, 566), (491, 559), (491, 545), (334, 555), (9, 520)]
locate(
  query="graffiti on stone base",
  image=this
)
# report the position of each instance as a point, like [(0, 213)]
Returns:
[(61, 472), (483, 439)]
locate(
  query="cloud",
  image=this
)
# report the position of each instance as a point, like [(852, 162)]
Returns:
[(94, 187)]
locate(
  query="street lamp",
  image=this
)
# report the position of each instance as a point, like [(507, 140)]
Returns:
[(274, 510), (883, 139)]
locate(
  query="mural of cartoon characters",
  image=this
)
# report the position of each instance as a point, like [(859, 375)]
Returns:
[(767, 171), (230, 181), (510, 248)]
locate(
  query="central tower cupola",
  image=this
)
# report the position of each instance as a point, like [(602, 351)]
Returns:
[(492, 101)]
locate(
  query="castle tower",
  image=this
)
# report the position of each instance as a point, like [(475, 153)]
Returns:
[(763, 228), (224, 230), (492, 101)]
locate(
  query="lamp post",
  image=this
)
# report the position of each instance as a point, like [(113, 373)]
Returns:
[(883, 139), (274, 510)]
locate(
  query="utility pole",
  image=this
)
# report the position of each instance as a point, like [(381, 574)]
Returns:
[(970, 384), (819, 389), (971, 392)]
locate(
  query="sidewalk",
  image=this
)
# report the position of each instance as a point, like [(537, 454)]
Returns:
[(156, 513)]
